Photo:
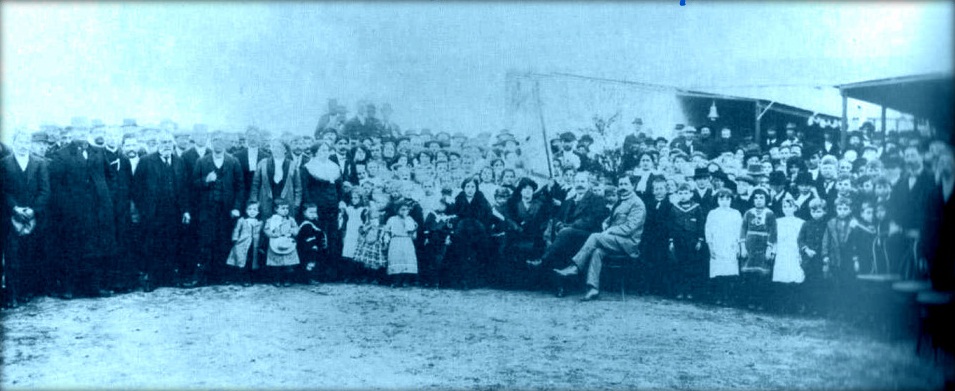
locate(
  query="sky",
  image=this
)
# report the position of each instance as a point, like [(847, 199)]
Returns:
[(440, 65)]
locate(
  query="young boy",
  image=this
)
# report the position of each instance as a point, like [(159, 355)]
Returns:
[(686, 237), (810, 243), (311, 242), (836, 260), (653, 244)]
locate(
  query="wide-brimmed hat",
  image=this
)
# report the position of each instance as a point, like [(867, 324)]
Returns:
[(282, 245), (755, 170)]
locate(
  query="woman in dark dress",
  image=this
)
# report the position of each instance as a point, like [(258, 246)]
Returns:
[(322, 186), (470, 240), (526, 219)]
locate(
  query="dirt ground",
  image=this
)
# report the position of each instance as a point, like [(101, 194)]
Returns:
[(363, 336)]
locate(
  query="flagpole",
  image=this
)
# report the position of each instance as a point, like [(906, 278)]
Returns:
[(540, 115)]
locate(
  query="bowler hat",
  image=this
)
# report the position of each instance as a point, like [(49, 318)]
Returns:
[(803, 178), (755, 170), (40, 137), (637, 121), (777, 178), (701, 173), (568, 136)]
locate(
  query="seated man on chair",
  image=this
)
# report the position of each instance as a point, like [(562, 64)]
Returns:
[(620, 236)]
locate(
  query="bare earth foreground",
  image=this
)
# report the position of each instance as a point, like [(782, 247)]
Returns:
[(361, 336)]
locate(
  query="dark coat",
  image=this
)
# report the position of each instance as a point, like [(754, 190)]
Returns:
[(82, 203), (147, 190), (30, 188), (120, 181), (937, 246), (586, 215), (230, 183), (242, 155), (908, 208)]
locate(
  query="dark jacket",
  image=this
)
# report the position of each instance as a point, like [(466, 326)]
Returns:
[(586, 215), (82, 206), (30, 188), (242, 155), (227, 190), (147, 186)]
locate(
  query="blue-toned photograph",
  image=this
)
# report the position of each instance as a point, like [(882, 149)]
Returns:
[(492, 195)]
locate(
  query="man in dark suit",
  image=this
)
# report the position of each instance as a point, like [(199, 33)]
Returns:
[(620, 236), (219, 181), (121, 269), (82, 214), (910, 195), (580, 215), (26, 190), (249, 157), (162, 201)]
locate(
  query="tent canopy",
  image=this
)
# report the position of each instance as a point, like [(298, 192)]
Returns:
[(924, 96)]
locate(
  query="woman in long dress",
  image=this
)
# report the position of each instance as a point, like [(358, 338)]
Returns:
[(322, 186)]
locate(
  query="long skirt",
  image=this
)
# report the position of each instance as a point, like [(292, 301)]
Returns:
[(401, 256)]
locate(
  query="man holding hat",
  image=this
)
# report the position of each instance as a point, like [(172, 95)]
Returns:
[(25, 183)]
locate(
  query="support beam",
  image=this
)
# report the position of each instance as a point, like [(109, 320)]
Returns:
[(883, 125), (845, 118), (758, 135)]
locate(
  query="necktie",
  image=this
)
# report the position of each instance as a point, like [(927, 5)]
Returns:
[(167, 161)]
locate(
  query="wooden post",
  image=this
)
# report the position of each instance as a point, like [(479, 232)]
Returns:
[(883, 125), (758, 135), (845, 118)]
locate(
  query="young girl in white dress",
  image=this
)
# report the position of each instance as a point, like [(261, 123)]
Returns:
[(787, 270), (402, 261), (722, 235), (354, 210)]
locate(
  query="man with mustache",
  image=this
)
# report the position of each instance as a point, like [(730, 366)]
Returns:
[(120, 178), (580, 215), (621, 235), (910, 195)]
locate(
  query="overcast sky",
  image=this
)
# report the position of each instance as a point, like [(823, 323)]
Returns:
[(440, 65)]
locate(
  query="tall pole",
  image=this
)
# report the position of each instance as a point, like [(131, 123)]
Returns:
[(540, 115), (758, 134), (845, 118), (883, 124)]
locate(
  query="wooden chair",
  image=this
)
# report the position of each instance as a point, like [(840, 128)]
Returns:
[(620, 267)]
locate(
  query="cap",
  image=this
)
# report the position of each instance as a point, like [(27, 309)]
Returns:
[(637, 121)]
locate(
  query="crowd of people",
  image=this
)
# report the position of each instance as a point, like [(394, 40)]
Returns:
[(790, 223)]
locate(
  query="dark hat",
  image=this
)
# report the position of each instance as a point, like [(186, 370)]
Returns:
[(777, 178), (40, 137), (411, 132), (568, 136), (442, 135), (586, 139), (425, 132), (721, 176), (803, 178), (755, 170), (431, 142), (637, 121), (679, 127), (701, 173), (458, 135), (790, 125), (746, 178)]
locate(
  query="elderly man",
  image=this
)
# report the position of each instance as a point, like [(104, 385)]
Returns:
[(26, 190), (163, 202), (620, 236), (249, 157), (580, 215)]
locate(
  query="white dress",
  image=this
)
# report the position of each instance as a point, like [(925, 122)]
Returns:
[(351, 231), (722, 237), (787, 268)]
